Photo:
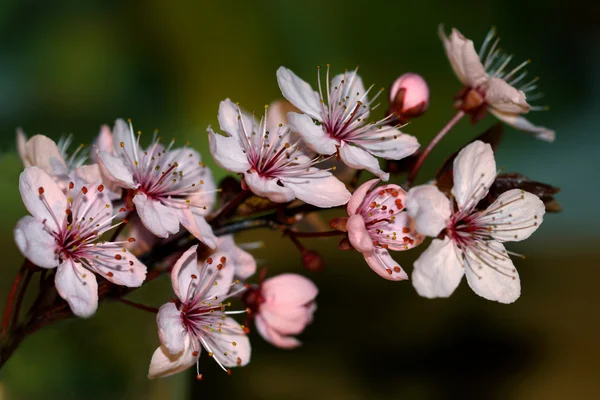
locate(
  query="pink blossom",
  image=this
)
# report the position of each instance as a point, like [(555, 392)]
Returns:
[(342, 118), (409, 96), (199, 319), (473, 240), (63, 231), (377, 224), (286, 304), (490, 85), (272, 163), (170, 186)]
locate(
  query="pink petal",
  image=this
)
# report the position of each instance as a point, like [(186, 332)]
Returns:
[(123, 134), (197, 226), (242, 262), (520, 123), (396, 146), (227, 152), (289, 289), (429, 208), (464, 59), (164, 364), (355, 157), (41, 151), (184, 273), (78, 287), (22, 147), (439, 269), (319, 188), (384, 265), (117, 266), (358, 234), (223, 281), (271, 336), (230, 122), (313, 135), (359, 195), (158, 218), (36, 244), (103, 142), (299, 93), (231, 346), (286, 320), (474, 172), (116, 170), (268, 187), (171, 330), (30, 182), (505, 98)]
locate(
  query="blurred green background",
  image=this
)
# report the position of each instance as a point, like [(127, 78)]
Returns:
[(69, 66)]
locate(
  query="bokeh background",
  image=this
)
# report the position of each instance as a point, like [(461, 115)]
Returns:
[(69, 66)]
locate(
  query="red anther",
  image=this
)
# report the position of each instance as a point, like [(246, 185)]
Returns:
[(389, 190), (199, 377), (373, 204), (118, 257), (406, 239), (220, 267), (248, 310), (122, 209), (405, 230), (381, 192), (41, 190), (397, 269), (131, 240), (228, 372), (71, 185), (399, 204), (246, 330), (195, 353), (84, 190), (247, 286), (223, 259), (125, 220), (389, 271), (383, 208), (395, 194), (238, 361), (194, 276), (385, 246), (209, 260), (131, 263), (100, 188), (68, 211), (109, 274)]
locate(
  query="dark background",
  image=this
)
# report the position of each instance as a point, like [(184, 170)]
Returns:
[(69, 66)]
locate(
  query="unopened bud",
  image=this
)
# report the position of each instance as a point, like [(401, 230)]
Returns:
[(339, 224), (409, 96), (312, 261), (345, 244)]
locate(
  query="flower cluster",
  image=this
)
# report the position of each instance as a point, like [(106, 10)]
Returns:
[(128, 210)]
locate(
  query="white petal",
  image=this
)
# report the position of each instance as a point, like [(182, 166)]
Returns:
[(357, 158), (319, 188), (221, 285), (238, 354), (41, 151), (438, 270), (78, 287), (521, 123), (358, 235), (474, 172), (429, 208), (384, 265), (313, 135), (269, 188), (505, 98), (396, 146), (124, 142), (30, 182), (197, 226), (464, 59), (359, 196), (117, 266), (353, 87), (164, 364), (227, 152), (273, 337), (242, 262), (117, 170), (103, 142), (491, 273), (299, 93), (22, 147), (171, 330), (514, 216), (184, 272), (36, 244), (158, 218), (232, 120)]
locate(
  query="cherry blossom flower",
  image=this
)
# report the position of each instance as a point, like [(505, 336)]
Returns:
[(284, 307), (63, 232), (473, 240), (169, 186), (377, 224), (43, 152), (272, 163), (489, 85), (342, 121), (198, 319)]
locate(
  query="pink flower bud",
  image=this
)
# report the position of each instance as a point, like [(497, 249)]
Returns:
[(409, 96), (288, 304), (312, 261)]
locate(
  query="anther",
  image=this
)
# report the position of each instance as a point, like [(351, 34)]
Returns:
[(41, 190)]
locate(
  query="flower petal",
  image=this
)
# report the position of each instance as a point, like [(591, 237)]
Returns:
[(30, 182), (233, 120), (313, 135), (227, 152), (117, 265), (474, 172), (514, 216), (355, 157), (124, 142), (164, 364), (521, 123), (116, 169), (358, 234), (299, 93), (197, 226), (505, 98), (36, 244), (41, 151), (429, 208), (359, 195), (219, 286), (183, 272), (103, 142), (491, 273), (78, 287), (268, 187), (319, 188), (384, 265), (171, 330), (273, 337), (438, 270), (463, 58), (231, 346), (288, 290), (395, 146), (158, 218), (22, 147), (242, 262)]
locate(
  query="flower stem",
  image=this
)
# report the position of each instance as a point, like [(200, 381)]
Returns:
[(11, 296), (230, 207), (431, 145), (28, 275), (139, 306)]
